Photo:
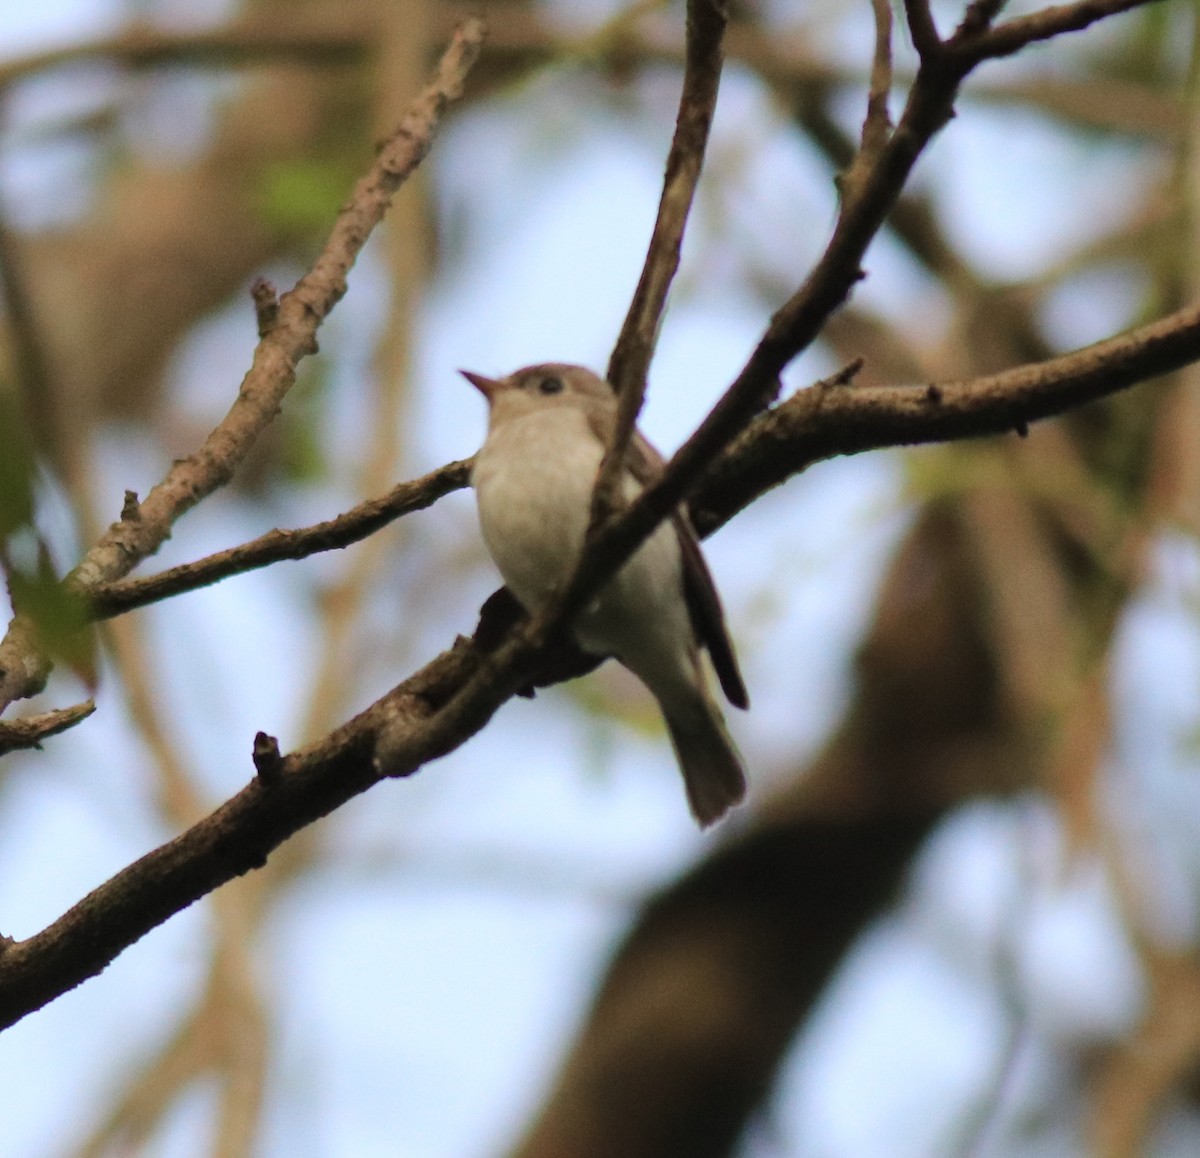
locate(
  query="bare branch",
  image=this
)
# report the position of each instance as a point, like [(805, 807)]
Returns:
[(630, 360), (109, 599), (1013, 35), (437, 708), (922, 28), (878, 124), (817, 424), (796, 324), (143, 528), (30, 731), (301, 312), (451, 698), (23, 668)]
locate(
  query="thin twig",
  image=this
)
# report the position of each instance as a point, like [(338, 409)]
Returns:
[(631, 356), (109, 599), (1013, 35), (142, 529), (878, 124), (451, 698), (30, 731), (301, 312), (982, 1115)]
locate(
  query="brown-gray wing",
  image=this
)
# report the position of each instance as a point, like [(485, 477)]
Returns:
[(703, 602)]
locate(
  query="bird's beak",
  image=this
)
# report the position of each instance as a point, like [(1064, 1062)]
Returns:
[(486, 386)]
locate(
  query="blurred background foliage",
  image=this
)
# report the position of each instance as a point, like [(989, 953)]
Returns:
[(959, 914)]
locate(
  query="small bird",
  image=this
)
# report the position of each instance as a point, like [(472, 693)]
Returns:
[(548, 428)]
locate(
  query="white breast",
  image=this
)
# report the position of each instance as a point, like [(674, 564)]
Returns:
[(533, 481), (533, 484)]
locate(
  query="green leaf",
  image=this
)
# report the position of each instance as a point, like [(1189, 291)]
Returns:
[(59, 616)]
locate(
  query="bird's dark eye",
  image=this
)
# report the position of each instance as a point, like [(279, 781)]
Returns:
[(550, 385)]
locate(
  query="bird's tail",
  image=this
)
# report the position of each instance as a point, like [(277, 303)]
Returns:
[(711, 767)]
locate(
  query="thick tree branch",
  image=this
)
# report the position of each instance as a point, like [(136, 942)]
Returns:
[(826, 421), (439, 707), (442, 705), (687, 1028)]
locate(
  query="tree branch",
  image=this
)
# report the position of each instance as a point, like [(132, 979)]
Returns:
[(30, 731), (111, 599), (826, 421), (451, 698), (439, 707), (973, 44), (144, 526), (631, 356), (293, 337), (798, 322), (247, 41)]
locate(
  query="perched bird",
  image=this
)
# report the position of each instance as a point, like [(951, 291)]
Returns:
[(548, 429)]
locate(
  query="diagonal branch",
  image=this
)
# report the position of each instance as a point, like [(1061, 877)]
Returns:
[(825, 422), (630, 360), (301, 311), (30, 731), (144, 526), (110, 599), (439, 707), (971, 43)]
